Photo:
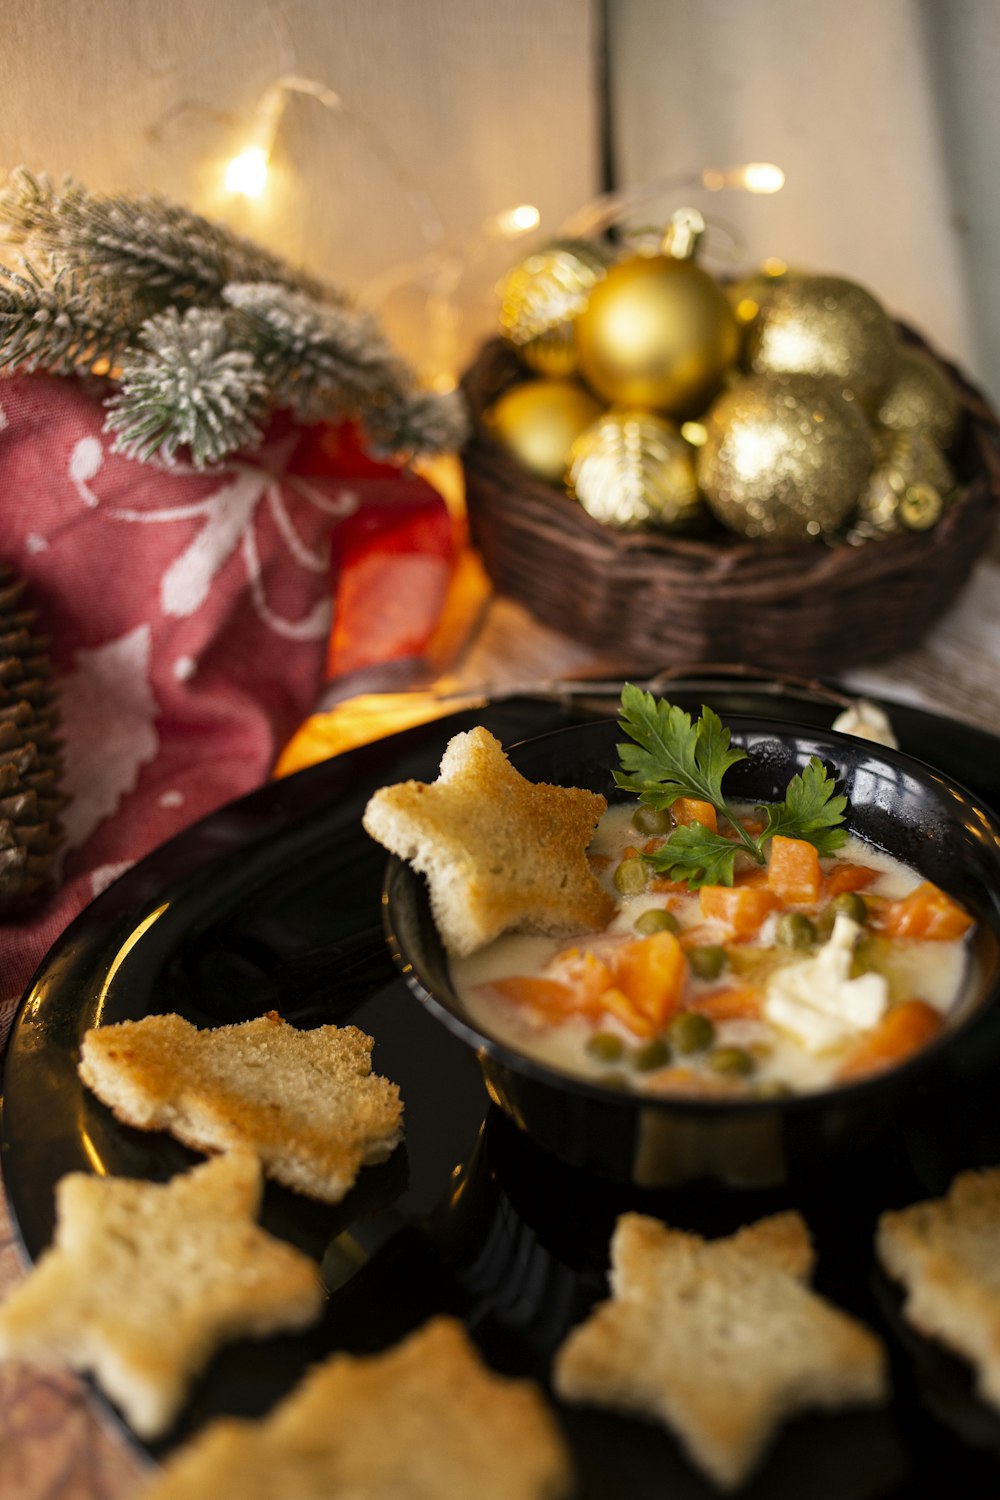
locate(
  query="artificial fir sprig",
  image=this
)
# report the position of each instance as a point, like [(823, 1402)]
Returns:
[(671, 757), (158, 249), (187, 387), (51, 324), (202, 330)]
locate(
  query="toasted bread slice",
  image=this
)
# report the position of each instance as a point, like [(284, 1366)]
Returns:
[(946, 1252), (305, 1102), (423, 1421), (145, 1279), (721, 1340), (499, 852)]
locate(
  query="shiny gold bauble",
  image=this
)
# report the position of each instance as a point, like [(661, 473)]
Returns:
[(632, 469), (922, 396), (540, 298), (658, 332), (748, 295), (539, 421), (830, 327), (909, 486), (784, 457)]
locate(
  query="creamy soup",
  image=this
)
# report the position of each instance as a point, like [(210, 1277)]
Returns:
[(804, 974)]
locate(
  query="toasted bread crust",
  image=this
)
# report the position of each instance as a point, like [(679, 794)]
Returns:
[(499, 852), (144, 1280), (457, 1431), (305, 1102), (945, 1252), (720, 1340)]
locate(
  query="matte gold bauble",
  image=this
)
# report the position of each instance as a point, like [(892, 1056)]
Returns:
[(657, 332), (909, 486), (922, 396), (784, 457), (540, 297), (538, 422), (826, 326), (632, 469)]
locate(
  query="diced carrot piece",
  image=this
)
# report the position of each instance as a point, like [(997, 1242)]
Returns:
[(663, 884), (793, 871), (693, 810), (753, 825), (901, 1032), (734, 1003), (546, 997), (847, 877), (587, 977), (616, 1003), (926, 913), (742, 907), (651, 971)]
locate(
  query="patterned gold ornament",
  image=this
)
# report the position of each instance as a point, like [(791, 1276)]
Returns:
[(909, 487), (540, 298), (826, 326), (785, 457), (632, 469), (658, 332), (922, 396), (539, 421)]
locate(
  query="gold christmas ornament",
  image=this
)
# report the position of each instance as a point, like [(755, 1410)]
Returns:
[(748, 295), (539, 421), (909, 487), (785, 457), (826, 326), (632, 469), (658, 332), (540, 297), (922, 396)]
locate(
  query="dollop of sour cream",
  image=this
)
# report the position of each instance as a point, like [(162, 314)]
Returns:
[(818, 1002)]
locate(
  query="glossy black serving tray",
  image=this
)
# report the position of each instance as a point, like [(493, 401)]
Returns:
[(273, 902)]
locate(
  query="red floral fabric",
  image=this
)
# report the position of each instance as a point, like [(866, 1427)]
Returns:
[(189, 615)]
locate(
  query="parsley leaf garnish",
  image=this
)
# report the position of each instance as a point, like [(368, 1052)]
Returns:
[(671, 757)]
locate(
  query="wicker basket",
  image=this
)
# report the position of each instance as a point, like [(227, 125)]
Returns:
[(657, 599)]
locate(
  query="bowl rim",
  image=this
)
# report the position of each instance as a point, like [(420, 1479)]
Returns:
[(693, 1105)]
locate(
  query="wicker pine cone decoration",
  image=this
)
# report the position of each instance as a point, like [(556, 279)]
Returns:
[(30, 755)]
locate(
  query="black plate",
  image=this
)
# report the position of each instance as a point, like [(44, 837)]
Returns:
[(273, 902)]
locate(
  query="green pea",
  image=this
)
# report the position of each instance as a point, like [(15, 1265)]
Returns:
[(690, 1031), (651, 820), (794, 930), (734, 1062), (708, 962), (605, 1046), (855, 906), (653, 1054), (631, 876), (656, 919)]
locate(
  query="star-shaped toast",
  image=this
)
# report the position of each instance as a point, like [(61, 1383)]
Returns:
[(499, 852), (144, 1280), (305, 1102), (945, 1252), (426, 1420), (721, 1340)]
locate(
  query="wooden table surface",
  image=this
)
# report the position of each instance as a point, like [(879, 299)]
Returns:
[(56, 1440)]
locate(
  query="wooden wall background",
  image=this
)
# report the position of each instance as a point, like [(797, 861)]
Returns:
[(884, 114)]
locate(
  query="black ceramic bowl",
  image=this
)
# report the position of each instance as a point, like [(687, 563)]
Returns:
[(897, 804)]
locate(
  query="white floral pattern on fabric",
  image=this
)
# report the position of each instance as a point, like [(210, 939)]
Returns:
[(108, 720)]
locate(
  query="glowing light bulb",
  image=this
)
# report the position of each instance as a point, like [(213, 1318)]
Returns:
[(763, 177), (246, 174), (519, 220)]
